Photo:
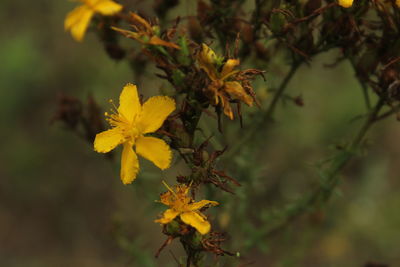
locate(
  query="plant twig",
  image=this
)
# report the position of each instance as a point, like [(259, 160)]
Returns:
[(363, 84), (394, 110), (322, 193), (271, 109)]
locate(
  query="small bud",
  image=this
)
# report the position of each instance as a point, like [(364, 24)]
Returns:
[(172, 229), (346, 3), (193, 241), (207, 55), (298, 100), (205, 156), (388, 76), (178, 77)]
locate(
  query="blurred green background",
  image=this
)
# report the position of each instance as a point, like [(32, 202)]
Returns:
[(62, 204)]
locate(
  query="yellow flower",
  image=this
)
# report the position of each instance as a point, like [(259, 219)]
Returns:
[(346, 3), (398, 3), (220, 89), (184, 206), (144, 32), (130, 122), (77, 21)]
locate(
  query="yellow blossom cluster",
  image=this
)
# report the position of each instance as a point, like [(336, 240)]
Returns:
[(222, 88), (132, 122)]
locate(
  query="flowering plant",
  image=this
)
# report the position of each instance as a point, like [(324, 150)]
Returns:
[(188, 122)]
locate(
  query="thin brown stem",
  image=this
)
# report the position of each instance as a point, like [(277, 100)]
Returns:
[(271, 109), (389, 113), (363, 84)]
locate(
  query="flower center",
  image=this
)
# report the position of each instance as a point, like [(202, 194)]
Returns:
[(128, 129), (181, 204)]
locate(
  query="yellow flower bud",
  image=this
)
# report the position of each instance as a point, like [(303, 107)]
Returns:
[(347, 3), (207, 55)]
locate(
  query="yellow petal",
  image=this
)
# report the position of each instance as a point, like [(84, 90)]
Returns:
[(154, 112), (168, 216), (89, 2), (236, 90), (77, 21), (129, 104), (108, 140), (107, 7), (154, 40), (227, 69), (398, 3), (129, 164), (207, 55), (198, 205), (73, 17), (226, 107), (196, 220), (155, 150), (206, 60), (346, 3)]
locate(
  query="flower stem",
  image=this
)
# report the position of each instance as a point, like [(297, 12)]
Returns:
[(331, 178), (363, 84), (271, 109)]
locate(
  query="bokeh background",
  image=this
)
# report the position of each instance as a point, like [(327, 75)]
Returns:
[(62, 204)]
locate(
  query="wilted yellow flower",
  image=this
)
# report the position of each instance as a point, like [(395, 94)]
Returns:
[(77, 21), (145, 33), (346, 3), (221, 90), (130, 122), (184, 206)]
